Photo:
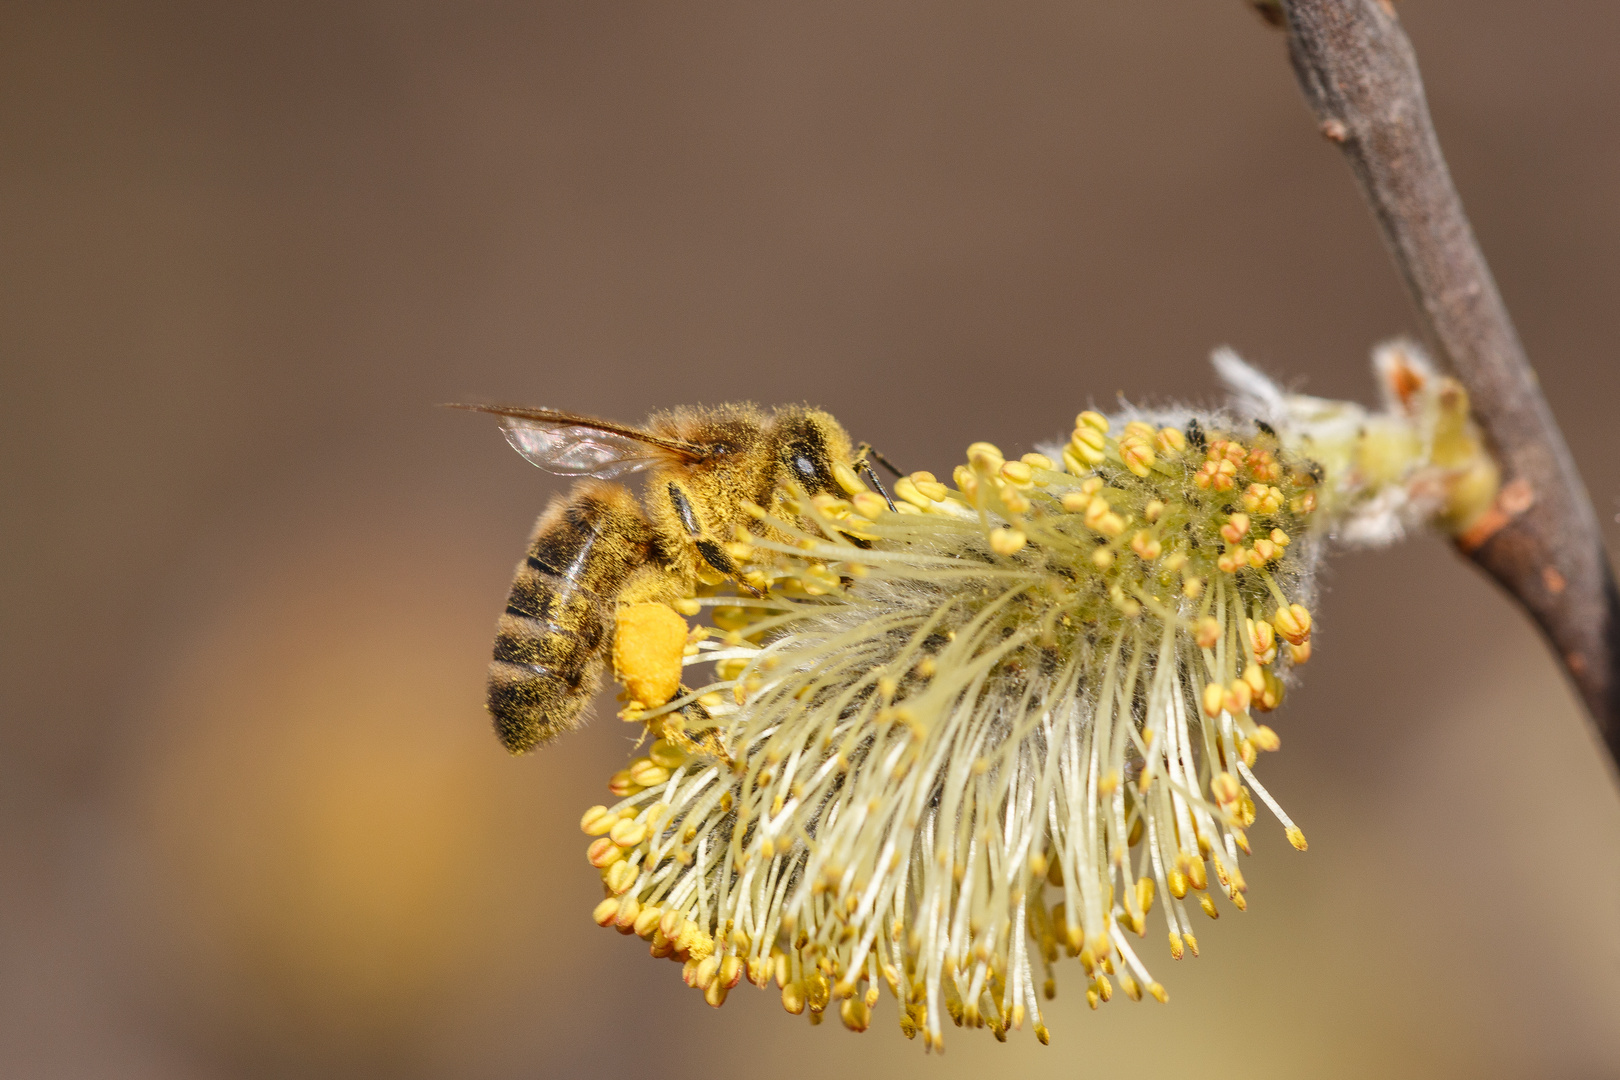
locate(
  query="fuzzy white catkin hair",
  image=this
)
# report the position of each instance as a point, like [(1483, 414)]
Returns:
[(1016, 719)]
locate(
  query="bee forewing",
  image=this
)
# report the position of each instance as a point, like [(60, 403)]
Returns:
[(571, 450)]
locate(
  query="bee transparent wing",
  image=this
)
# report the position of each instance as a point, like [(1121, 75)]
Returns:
[(572, 445), (578, 450)]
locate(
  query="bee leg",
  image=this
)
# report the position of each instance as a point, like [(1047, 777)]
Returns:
[(867, 469), (865, 450)]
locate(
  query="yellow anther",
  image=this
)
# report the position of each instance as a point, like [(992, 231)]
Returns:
[(645, 773), (931, 489), (1158, 993), (628, 833), (1192, 943), (1265, 739), (1005, 541), (597, 821), (1175, 561), (1088, 437), (1215, 475), (619, 877), (1017, 472), (1300, 653), (1110, 525), (1145, 546), (1270, 695), (740, 551), (666, 754), (1207, 633), (986, 452), (1137, 454), (1170, 441), (1264, 466), (1232, 559), (1214, 699), (1236, 528), (1293, 623), (846, 478), (906, 490), (1102, 558), (1196, 876), (1279, 538), (1176, 948), (1262, 639), (1038, 461), (1176, 881), (855, 1014), (1192, 588), (869, 504), (687, 606), (1262, 499), (606, 912), (1152, 510), (1075, 501), (621, 785), (1264, 551), (1089, 419), (1014, 500), (1108, 784), (1296, 837), (1254, 676), (646, 923), (715, 994), (1207, 902), (603, 852), (1237, 697), (1082, 449), (1144, 894), (1224, 787)]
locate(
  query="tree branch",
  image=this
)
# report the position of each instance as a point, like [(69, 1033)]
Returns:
[(1541, 541)]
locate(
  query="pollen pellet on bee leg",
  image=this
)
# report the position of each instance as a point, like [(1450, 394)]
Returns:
[(648, 643)]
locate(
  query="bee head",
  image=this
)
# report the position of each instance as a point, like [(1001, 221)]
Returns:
[(807, 442)]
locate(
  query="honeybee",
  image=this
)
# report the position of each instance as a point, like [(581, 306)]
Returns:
[(598, 547)]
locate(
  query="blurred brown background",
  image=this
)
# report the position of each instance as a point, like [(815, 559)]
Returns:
[(252, 820)]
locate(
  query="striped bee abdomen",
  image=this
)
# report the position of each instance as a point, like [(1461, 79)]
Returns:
[(554, 633)]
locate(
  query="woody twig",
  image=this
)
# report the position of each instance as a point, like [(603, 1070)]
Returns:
[(1541, 541)]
